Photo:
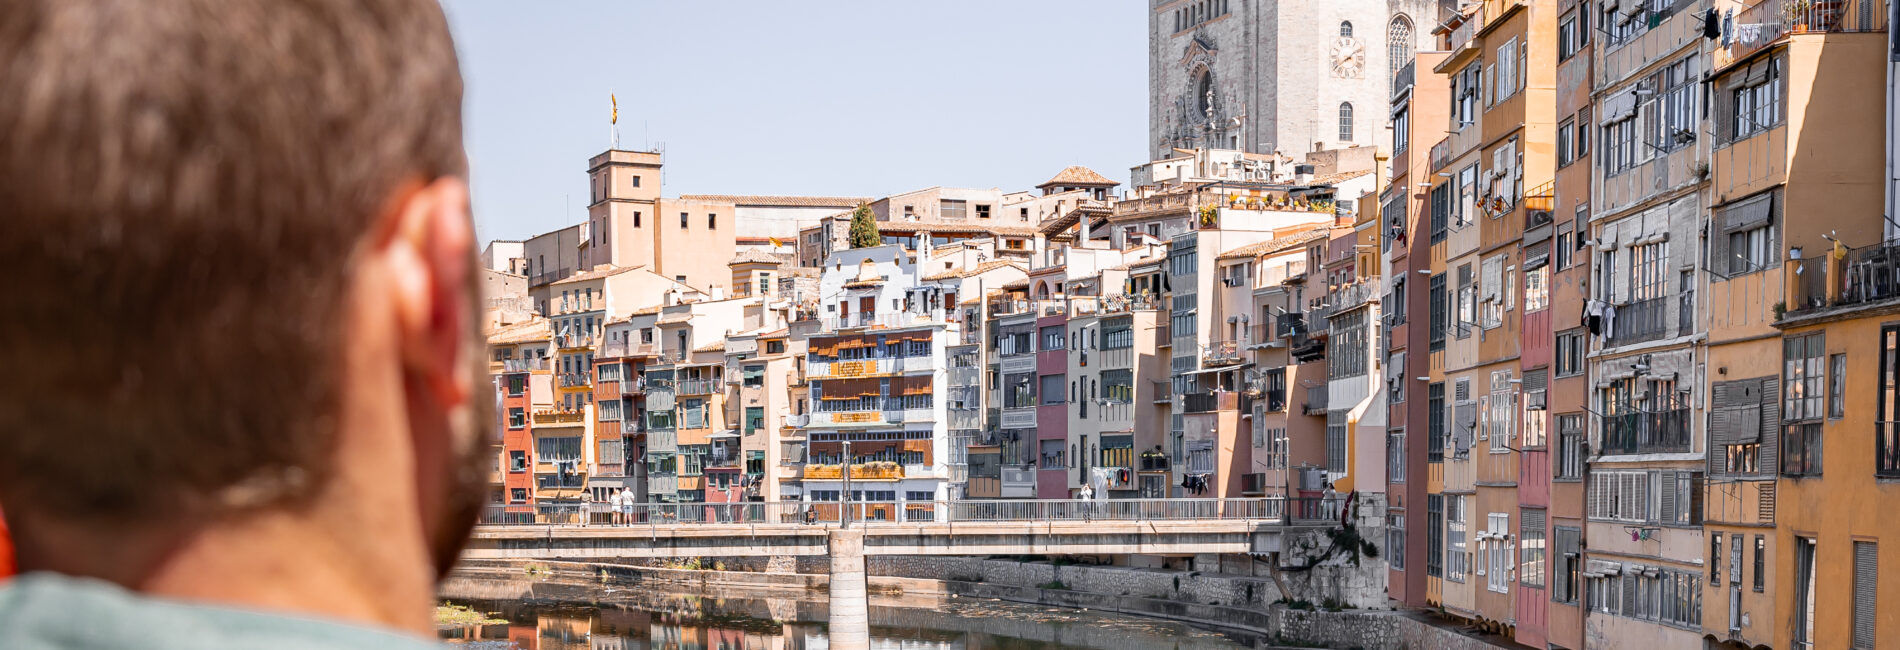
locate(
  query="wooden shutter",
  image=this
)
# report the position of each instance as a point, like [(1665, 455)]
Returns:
[(1668, 513), (1593, 494), (1629, 590), (1695, 497), (1866, 574), (1770, 408)]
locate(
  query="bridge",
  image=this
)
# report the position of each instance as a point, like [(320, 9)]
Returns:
[(847, 532)]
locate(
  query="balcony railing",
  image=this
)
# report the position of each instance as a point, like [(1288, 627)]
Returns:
[(524, 365), (696, 386), (1315, 400), (574, 341), (1763, 23), (575, 379), (798, 421), (1122, 303), (1540, 198), (1640, 321), (1201, 402), (1404, 78), (1220, 353), (1865, 275), (879, 320), (1255, 483), (1153, 462), (1652, 432), (556, 417), (546, 277), (1441, 154), (966, 418)]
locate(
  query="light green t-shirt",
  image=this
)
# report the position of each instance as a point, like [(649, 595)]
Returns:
[(44, 611)]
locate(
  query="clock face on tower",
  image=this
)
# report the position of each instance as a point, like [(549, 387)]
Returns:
[(1349, 57)]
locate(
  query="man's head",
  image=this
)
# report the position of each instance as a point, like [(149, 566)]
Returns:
[(240, 268)]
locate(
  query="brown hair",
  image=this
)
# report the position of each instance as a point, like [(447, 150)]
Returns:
[(183, 186)]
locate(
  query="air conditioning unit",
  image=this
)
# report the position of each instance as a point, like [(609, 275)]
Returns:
[(1539, 217)]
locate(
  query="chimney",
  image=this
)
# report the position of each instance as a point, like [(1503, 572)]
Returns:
[(1302, 174)]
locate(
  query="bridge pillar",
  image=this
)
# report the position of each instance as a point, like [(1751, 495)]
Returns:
[(850, 625)]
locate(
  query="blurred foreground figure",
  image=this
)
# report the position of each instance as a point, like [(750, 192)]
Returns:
[(241, 254)]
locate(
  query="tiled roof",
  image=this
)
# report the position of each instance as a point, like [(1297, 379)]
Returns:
[(755, 255), (645, 311), (978, 270), (960, 228), (531, 330), (598, 272), (1276, 245), (1078, 175), (715, 347), (1341, 177), (781, 201)]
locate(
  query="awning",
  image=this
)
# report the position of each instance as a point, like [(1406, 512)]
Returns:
[(724, 435)]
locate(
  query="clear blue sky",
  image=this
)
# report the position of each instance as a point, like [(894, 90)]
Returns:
[(853, 98)]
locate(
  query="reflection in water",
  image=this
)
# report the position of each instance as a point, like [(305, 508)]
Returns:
[(641, 620)]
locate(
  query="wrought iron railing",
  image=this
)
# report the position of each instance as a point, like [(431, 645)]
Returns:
[(1647, 432), (1640, 321)]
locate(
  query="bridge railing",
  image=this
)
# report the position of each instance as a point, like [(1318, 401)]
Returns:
[(1310, 510)]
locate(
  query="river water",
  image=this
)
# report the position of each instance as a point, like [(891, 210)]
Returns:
[(558, 617)]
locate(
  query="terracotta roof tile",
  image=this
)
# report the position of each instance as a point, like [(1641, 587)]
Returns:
[(1276, 245), (781, 201), (531, 330), (1078, 175), (1341, 177), (751, 255), (598, 272)]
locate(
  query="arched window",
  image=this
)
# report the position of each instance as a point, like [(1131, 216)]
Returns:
[(1400, 49), (1345, 122), (1345, 29)]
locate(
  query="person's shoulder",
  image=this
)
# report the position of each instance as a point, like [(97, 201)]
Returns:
[(52, 612)]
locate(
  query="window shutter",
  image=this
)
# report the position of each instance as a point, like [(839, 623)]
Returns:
[(1668, 485), (1629, 591), (1770, 407), (1593, 493), (1695, 499), (1866, 573)]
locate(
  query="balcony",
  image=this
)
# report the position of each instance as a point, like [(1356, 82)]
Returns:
[(1019, 363), (575, 380), (633, 427), (1655, 432), (877, 471), (1153, 462), (1253, 484), (1019, 418), (1866, 275), (879, 320), (799, 421), (1640, 321), (1315, 401), (1441, 154), (1123, 303), (696, 386), (543, 418), (1220, 353), (966, 418), (574, 341), (1765, 22), (1019, 481), (891, 414), (1204, 402), (524, 365), (1164, 392), (549, 277), (1348, 297)]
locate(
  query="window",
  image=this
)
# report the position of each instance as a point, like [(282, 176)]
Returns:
[(953, 210), (1435, 422), (1052, 337), (1570, 35), (1467, 301), (1866, 582), (517, 384), (712, 221), (1510, 77), (1748, 251), (1345, 29), (1754, 101), (1336, 441), (1052, 389), (1649, 271), (1401, 132), (1568, 459), (1744, 241), (1531, 539), (1804, 592), (1802, 394), (1887, 405), (1400, 49), (1676, 124), (1345, 122), (1457, 561), (517, 460), (1053, 455), (1566, 143), (683, 219), (1761, 562), (1395, 456), (1348, 345), (1534, 433), (1619, 146), (1395, 540), (1537, 289), (1837, 386), (1435, 535), (1569, 570), (1465, 88), (1441, 211), (517, 495), (517, 417), (1500, 553), (1569, 353), (1439, 308)]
